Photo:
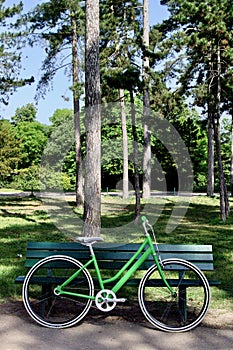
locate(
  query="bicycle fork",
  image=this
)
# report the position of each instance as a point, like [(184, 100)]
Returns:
[(159, 263)]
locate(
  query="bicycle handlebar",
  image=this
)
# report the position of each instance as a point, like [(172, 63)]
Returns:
[(145, 223), (144, 219)]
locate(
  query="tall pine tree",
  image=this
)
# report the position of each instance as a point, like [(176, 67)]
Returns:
[(193, 42), (59, 26), (10, 53)]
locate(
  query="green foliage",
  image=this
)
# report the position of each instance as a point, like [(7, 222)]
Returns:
[(27, 179), (226, 147), (194, 135), (120, 38), (10, 151), (192, 52), (52, 180), (60, 116), (25, 114), (10, 52), (51, 24), (61, 139), (33, 137), (182, 50), (191, 37), (111, 136), (58, 161)]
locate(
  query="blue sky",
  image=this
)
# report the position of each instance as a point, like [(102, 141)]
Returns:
[(32, 62)]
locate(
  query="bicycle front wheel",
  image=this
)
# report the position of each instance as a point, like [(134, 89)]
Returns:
[(183, 311), (44, 305)]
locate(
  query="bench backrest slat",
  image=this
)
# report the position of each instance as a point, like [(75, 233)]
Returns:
[(116, 247), (113, 256), (119, 256)]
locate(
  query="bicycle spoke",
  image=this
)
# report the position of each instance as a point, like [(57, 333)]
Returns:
[(49, 309), (191, 301)]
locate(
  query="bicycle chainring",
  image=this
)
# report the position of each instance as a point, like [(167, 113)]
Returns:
[(105, 300)]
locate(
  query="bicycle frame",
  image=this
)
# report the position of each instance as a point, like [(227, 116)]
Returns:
[(117, 286)]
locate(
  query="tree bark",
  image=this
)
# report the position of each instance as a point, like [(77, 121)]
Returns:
[(210, 183), (125, 193), (211, 178), (92, 183), (231, 169), (136, 161), (146, 190), (78, 156), (224, 203)]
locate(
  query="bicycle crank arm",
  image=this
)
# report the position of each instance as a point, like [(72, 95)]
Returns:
[(106, 300), (116, 300)]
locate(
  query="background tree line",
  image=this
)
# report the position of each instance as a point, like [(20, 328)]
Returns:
[(24, 139), (181, 69)]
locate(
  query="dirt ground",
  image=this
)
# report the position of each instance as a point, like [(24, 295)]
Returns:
[(124, 329), (217, 319)]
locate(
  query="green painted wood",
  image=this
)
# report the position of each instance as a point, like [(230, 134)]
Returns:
[(119, 256), (115, 247), (112, 256)]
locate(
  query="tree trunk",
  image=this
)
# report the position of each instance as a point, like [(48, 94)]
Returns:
[(125, 146), (136, 161), (210, 184), (210, 93), (78, 156), (210, 179), (146, 190), (231, 170), (146, 163), (92, 183), (224, 203)]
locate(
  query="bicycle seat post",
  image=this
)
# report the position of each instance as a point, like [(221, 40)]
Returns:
[(89, 241)]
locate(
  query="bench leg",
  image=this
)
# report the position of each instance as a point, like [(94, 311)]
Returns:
[(45, 298), (182, 300)]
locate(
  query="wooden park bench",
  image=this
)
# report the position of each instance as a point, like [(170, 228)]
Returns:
[(112, 256)]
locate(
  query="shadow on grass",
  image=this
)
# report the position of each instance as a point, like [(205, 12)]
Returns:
[(28, 221), (13, 249), (119, 216), (6, 213), (202, 225), (22, 220), (14, 201)]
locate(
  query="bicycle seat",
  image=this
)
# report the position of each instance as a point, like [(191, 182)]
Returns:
[(89, 240)]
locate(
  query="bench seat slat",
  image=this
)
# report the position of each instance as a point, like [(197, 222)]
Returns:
[(115, 265), (121, 256)]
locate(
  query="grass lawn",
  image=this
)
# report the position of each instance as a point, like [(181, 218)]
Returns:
[(9, 190), (31, 219)]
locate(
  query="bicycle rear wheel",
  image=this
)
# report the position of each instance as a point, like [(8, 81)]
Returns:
[(40, 300), (183, 311)]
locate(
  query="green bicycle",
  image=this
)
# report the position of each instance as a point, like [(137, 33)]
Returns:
[(173, 294)]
